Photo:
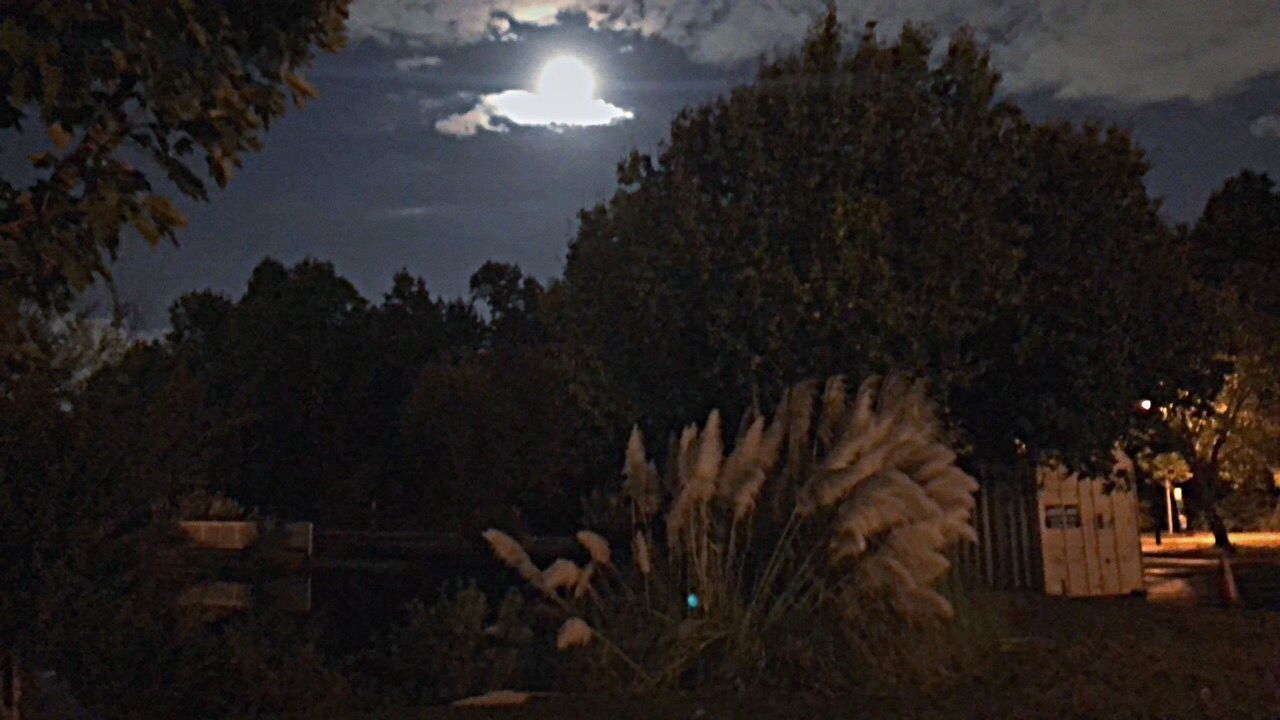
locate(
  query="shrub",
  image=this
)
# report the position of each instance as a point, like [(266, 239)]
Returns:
[(1248, 509), (460, 645), (835, 513)]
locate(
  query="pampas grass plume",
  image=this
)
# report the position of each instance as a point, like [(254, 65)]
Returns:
[(597, 547), (573, 633), (514, 556), (561, 574), (640, 551)]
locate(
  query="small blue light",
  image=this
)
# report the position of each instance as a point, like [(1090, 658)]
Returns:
[(693, 601)]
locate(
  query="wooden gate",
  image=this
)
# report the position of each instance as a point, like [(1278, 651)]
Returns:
[(1008, 554)]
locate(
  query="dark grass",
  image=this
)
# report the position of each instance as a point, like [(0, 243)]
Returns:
[(1041, 658)]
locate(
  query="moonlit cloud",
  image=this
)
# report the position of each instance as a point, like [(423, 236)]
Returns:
[(418, 63), (1136, 51), (1267, 126), (564, 97), (469, 123)]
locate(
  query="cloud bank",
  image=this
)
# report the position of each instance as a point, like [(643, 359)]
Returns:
[(1135, 51)]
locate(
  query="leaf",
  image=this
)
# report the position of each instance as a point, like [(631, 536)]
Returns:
[(302, 90), (186, 180), (164, 213), (220, 166), (59, 135), (146, 228)]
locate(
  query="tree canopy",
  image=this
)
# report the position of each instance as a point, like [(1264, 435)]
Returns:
[(129, 93), (870, 210)]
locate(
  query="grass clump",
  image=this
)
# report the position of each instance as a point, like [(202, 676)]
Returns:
[(829, 519)]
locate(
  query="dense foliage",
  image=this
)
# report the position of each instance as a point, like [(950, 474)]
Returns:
[(865, 210), (306, 401), (184, 87)]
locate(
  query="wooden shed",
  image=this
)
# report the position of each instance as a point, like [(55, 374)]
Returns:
[(1089, 536)]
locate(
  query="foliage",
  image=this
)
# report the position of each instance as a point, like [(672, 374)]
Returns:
[(499, 425), (88, 590), (875, 209), (836, 507), (187, 86), (1236, 241), (302, 399), (1250, 510), (1223, 430), (456, 647)]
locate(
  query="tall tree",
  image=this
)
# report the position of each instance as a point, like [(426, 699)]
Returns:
[(870, 210)]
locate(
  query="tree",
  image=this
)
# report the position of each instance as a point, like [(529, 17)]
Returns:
[(188, 87), (1236, 242), (864, 211), (1225, 431), (513, 302)]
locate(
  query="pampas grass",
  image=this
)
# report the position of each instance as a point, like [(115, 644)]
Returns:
[(597, 547), (561, 574), (573, 633), (833, 505)]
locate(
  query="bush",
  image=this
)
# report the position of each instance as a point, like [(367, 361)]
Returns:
[(770, 558), (459, 646), (1246, 510)]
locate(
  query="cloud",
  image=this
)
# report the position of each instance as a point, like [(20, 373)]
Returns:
[(565, 97), (469, 123), (417, 63), (1128, 50), (415, 211), (627, 49), (530, 109), (1266, 126)]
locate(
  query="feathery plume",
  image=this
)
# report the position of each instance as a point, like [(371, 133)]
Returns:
[(597, 547), (641, 476), (744, 500), (495, 698), (573, 633), (741, 461), (561, 574), (709, 453), (834, 396), (585, 577), (640, 551), (771, 443), (514, 556)]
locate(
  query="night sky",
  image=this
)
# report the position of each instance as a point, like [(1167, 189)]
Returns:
[(406, 160)]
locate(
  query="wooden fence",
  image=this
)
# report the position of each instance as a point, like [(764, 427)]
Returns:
[(1007, 555)]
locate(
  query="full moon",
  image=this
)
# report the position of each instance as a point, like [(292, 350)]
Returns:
[(568, 80), (564, 97)]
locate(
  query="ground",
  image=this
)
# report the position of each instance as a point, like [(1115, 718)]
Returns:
[(1189, 565), (1099, 658)]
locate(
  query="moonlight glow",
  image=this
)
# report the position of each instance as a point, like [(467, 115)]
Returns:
[(567, 79), (564, 96)]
